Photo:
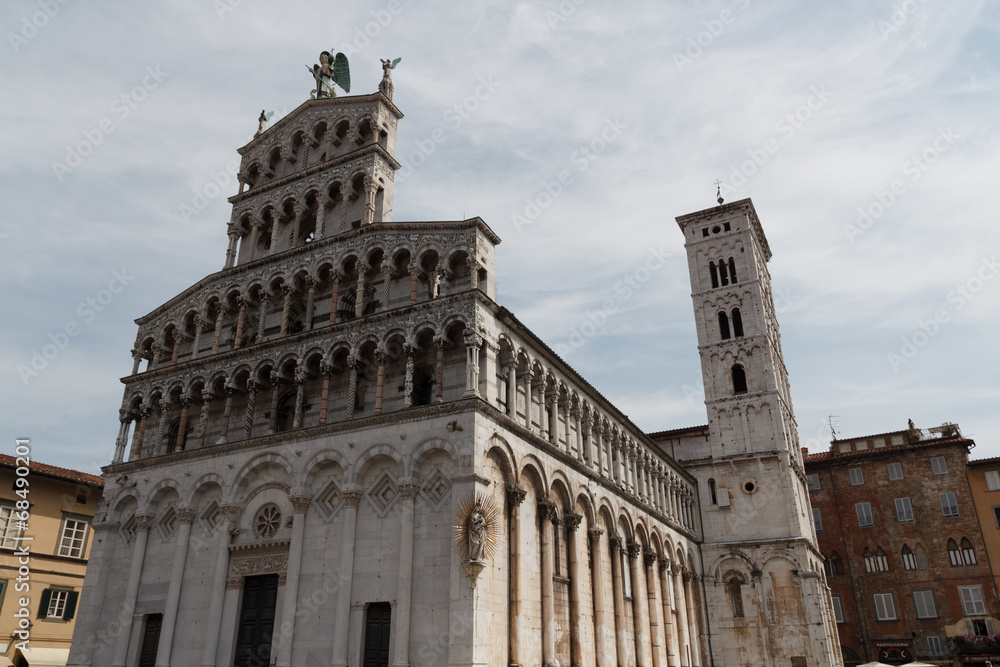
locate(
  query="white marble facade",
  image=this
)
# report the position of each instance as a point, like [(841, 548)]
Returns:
[(300, 428)]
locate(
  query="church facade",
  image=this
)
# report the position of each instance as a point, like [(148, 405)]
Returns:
[(340, 450)]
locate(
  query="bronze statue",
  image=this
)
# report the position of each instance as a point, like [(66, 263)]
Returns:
[(325, 74), (386, 87)]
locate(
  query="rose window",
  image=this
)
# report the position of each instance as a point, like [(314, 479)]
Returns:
[(267, 521)]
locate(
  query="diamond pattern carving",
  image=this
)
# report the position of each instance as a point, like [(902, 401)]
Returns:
[(436, 489), (167, 523), (382, 494), (329, 500)]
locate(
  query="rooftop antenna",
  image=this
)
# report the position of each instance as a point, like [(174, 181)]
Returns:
[(832, 420), (718, 192)]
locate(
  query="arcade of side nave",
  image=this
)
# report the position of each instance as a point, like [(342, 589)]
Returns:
[(340, 450)]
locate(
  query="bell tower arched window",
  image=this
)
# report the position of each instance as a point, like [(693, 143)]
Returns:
[(739, 379), (732, 270), (712, 492), (737, 323), (715, 274), (735, 589), (723, 274), (724, 326)]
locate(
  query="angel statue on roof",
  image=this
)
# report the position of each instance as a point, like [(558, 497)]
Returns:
[(327, 73), (386, 86)]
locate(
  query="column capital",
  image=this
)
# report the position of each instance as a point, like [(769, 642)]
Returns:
[(300, 503), (352, 361), (352, 498), (595, 533), (185, 514), (650, 558), (300, 375), (472, 339), (573, 521), (548, 510), (124, 416), (287, 289), (326, 369), (230, 513), (665, 564), (617, 543), (516, 494), (408, 490), (143, 521), (634, 549)]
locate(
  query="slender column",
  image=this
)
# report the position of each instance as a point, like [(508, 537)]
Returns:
[(553, 397), (240, 321), (185, 517), (158, 352), (655, 610), (272, 420), (597, 584), (473, 342), (136, 360), (199, 432), (680, 604), (473, 268), (594, 430), (380, 359), (298, 210), (342, 620), (182, 425), (324, 397), (359, 293), (414, 283), (234, 237), (140, 433), (439, 343), (408, 493), (640, 471), (275, 224), (218, 329), (335, 279), (409, 351), (286, 308), (688, 578), (288, 604), (158, 448), (310, 305), (582, 453), (511, 389), (549, 518), (230, 513), (575, 626), (226, 414), (256, 226), (640, 607), (543, 413), (265, 301), (251, 405), (515, 496), (142, 524), (669, 629), (176, 351), (300, 396), (386, 268), (199, 323), (352, 385), (124, 419), (370, 189), (621, 634), (527, 398)]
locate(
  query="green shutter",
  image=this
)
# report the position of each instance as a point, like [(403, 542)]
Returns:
[(43, 608), (71, 605)]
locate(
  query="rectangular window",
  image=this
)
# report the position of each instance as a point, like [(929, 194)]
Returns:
[(818, 520), (864, 511), (885, 607), (838, 609), (972, 600), (939, 465), (992, 480), (949, 504), (909, 560), (857, 476), (57, 603), (904, 510), (626, 578), (934, 648), (895, 471), (74, 534), (814, 482), (925, 604), (9, 532), (996, 515)]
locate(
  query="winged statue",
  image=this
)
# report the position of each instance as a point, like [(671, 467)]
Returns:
[(386, 85), (328, 73)]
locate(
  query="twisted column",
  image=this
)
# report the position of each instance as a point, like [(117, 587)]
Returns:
[(240, 321), (380, 359), (265, 300), (199, 432), (439, 344), (386, 268), (300, 396), (352, 385), (324, 397), (286, 308), (158, 447), (409, 351), (251, 405), (359, 294)]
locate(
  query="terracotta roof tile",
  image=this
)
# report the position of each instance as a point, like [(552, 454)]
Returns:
[(820, 457), (55, 471)]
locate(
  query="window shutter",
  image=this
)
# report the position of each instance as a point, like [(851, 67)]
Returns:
[(879, 607), (818, 519), (71, 605), (989, 626), (969, 630), (43, 607)]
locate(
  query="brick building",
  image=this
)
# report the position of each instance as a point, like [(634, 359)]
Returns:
[(906, 560)]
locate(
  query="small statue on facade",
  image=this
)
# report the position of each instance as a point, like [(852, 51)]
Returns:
[(386, 87), (262, 122), (325, 74), (478, 535)]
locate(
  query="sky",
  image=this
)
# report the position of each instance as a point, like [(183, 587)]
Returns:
[(864, 132)]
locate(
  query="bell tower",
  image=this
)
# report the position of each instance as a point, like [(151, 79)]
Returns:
[(760, 550)]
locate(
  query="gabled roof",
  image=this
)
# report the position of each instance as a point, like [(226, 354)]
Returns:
[(8, 461)]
